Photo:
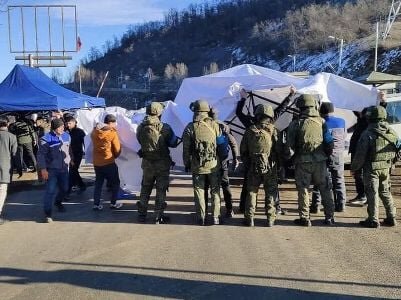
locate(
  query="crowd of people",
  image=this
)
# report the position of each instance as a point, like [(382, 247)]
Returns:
[(314, 143)]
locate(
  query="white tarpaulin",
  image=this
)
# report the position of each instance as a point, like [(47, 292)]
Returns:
[(221, 90)]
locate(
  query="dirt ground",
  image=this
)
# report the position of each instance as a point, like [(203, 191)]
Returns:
[(108, 255)]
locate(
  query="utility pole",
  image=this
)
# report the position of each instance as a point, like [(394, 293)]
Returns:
[(377, 45)]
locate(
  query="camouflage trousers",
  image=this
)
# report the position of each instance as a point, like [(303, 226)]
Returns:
[(315, 173), (377, 186), (199, 183), (269, 181), (150, 178)]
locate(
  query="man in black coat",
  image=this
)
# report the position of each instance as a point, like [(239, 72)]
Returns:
[(77, 148)]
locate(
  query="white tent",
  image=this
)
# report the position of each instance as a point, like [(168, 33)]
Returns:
[(222, 91)]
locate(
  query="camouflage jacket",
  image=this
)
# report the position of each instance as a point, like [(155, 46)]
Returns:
[(160, 158), (373, 151), (294, 139), (245, 146), (190, 155)]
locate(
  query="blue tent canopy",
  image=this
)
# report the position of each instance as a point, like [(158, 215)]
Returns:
[(29, 89)]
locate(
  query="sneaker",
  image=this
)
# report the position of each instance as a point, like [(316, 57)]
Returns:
[(98, 207), (359, 201), (141, 218), (270, 223), (74, 188), (116, 206), (389, 222), (303, 222), (216, 221), (162, 220), (248, 222), (229, 214), (48, 220), (329, 221), (67, 198), (313, 209), (280, 211), (60, 207), (369, 224)]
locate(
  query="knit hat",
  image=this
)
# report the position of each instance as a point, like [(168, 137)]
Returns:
[(326, 108), (110, 119), (56, 123)]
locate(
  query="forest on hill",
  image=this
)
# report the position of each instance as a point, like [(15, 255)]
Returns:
[(206, 38)]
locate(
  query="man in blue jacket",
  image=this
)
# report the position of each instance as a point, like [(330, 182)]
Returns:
[(336, 127), (54, 157)]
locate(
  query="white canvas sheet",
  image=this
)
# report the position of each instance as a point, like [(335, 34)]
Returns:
[(222, 91)]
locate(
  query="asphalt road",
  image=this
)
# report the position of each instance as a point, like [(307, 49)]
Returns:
[(108, 255)]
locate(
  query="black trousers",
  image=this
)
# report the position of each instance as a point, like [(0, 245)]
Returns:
[(75, 177)]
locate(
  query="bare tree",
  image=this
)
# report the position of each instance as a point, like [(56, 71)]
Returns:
[(181, 72), (56, 75), (169, 71)]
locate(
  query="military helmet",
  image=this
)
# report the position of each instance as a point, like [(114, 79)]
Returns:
[(307, 100), (154, 109), (375, 113), (199, 106), (264, 110)]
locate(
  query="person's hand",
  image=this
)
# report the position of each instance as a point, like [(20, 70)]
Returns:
[(72, 163), (44, 174), (293, 90), (243, 94)]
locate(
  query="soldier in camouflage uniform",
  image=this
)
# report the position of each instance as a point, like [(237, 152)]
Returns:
[(155, 139), (200, 140), (310, 140), (375, 153), (259, 153)]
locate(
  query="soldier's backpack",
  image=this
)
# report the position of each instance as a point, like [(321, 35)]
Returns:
[(312, 135), (151, 138), (205, 144), (384, 149), (260, 145)]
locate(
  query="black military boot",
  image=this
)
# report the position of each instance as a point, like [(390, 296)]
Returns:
[(248, 222), (303, 222), (162, 220), (369, 224), (389, 222), (329, 221)]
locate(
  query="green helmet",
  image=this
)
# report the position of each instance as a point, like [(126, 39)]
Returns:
[(199, 106), (307, 100), (264, 110), (155, 109), (375, 113)]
